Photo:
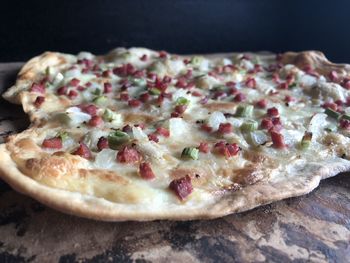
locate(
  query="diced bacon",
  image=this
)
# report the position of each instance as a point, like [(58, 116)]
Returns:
[(144, 97), (288, 99), (231, 84), (128, 155), (107, 87), (106, 73), (95, 121), (339, 102), (239, 97), (175, 114), (182, 187), (153, 137), (163, 131), (90, 109), (346, 83), (266, 123), (124, 96), (226, 149), (180, 108), (39, 88), (225, 128), (134, 103), (62, 90), (333, 76), (250, 83), (72, 94), (261, 103), (143, 57), (196, 94), (277, 140), (145, 171), (166, 79), (127, 128), (276, 78), (181, 83), (232, 91), (102, 143), (74, 82), (344, 124), (219, 95), (162, 54), (272, 112), (52, 143), (330, 105), (80, 88), (188, 74), (83, 151), (290, 78), (203, 147), (38, 101), (283, 85), (206, 128)]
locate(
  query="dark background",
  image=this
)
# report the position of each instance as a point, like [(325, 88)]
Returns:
[(28, 28)]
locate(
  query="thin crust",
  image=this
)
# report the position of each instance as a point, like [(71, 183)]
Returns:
[(292, 183)]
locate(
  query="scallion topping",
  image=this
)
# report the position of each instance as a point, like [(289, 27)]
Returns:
[(154, 91), (346, 117), (190, 152), (100, 100), (244, 111), (332, 113), (182, 101), (63, 135), (249, 126), (306, 140), (117, 138), (109, 115)]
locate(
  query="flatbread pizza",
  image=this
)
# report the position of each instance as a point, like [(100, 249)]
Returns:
[(139, 134)]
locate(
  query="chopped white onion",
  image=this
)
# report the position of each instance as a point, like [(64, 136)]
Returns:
[(92, 137), (105, 159), (139, 134), (178, 127), (86, 55), (215, 119)]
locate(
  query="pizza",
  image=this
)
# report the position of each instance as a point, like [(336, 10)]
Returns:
[(139, 134)]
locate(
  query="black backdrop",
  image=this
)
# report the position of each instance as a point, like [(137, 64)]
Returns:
[(28, 28)]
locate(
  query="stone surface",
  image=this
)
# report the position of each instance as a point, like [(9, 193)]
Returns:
[(311, 228)]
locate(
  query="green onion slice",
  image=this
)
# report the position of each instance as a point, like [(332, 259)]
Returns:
[(190, 152)]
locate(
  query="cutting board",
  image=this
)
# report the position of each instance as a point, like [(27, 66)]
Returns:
[(310, 228)]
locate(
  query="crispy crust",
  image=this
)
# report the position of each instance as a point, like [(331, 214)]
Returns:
[(292, 183)]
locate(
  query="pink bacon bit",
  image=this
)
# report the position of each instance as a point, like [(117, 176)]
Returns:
[(331, 105), (102, 144), (62, 90), (206, 128), (83, 151), (52, 143), (134, 103), (231, 84), (261, 103), (124, 96), (39, 88), (163, 131), (74, 82), (203, 147), (283, 85), (180, 109), (144, 57), (277, 140), (225, 128), (128, 155), (333, 76), (145, 171), (95, 121), (344, 124), (266, 123), (182, 187), (239, 97), (90, 109), (226, 149), (346, 83), (72, 94), (38, 101), (162, 54), (107, 87), (153, 137), (144, 97), (272, 112), (250, 83)]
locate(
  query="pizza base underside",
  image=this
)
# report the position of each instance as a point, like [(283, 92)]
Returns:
[(292, 183)]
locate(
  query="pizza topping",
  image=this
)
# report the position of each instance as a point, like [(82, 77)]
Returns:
[(261, 104), (182, 187), (244, 111), (39, 88), (134, 103), (272, 112), (277, 140), (95, 121), (52, 143), (203, 147), (83, 151), (226, 149), (249, 126), (190, 153), (117, 138), (145, 171), (225, 128), (128, 155), (102, 143), (163, 131), (306, 140), (38, 101), (332, 113)]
